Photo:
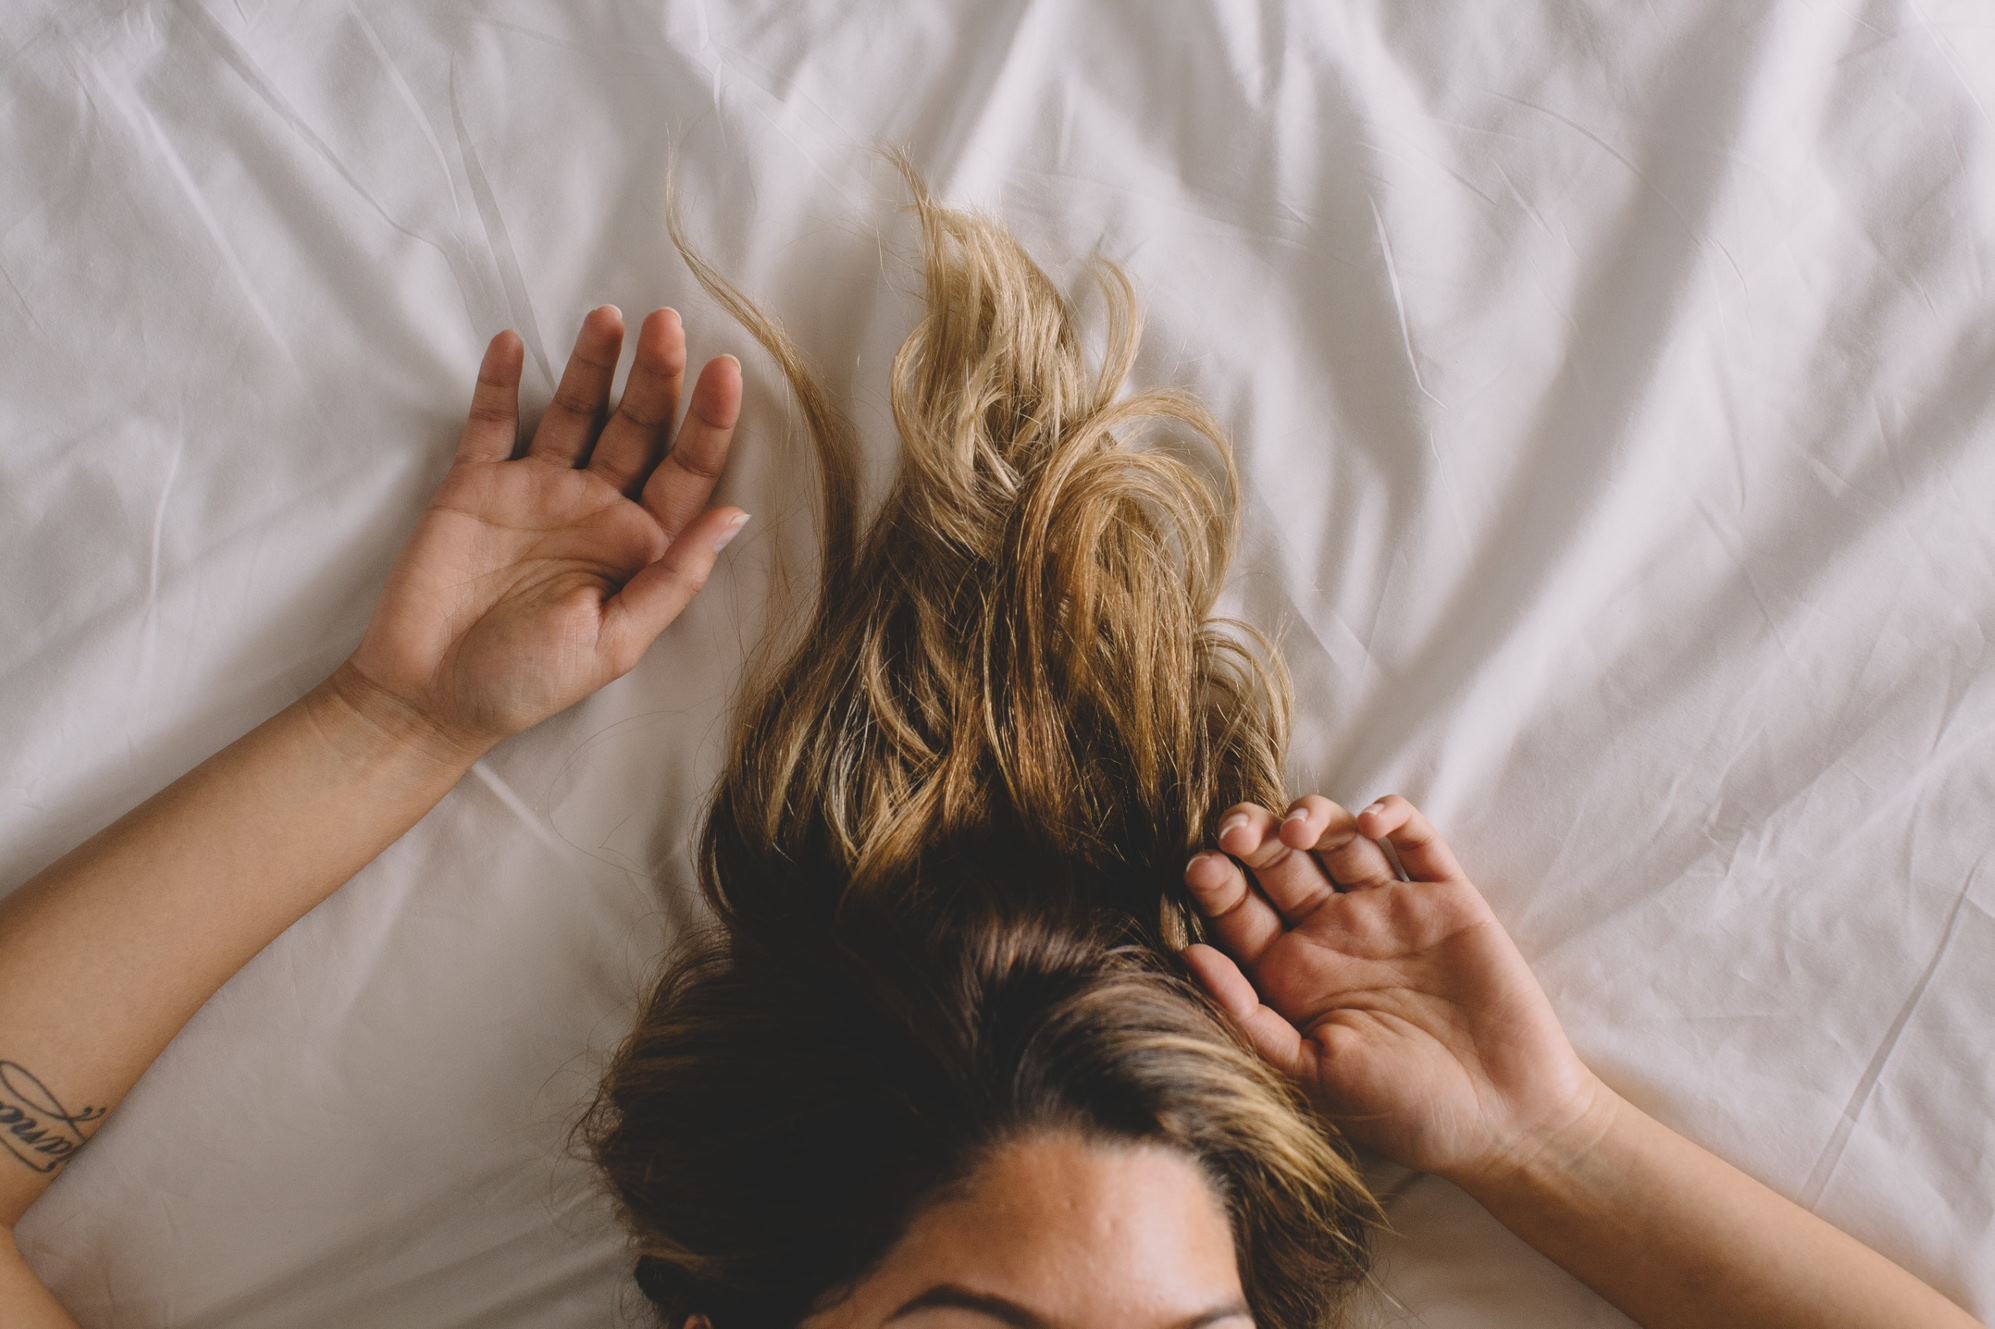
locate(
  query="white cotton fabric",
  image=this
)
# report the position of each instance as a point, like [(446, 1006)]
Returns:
[(1612, 384)]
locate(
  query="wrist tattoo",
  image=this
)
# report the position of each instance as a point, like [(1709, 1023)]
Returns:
[(34, 1125)]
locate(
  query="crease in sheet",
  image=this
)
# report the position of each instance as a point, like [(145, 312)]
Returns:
[(141, 117), (1439, 165), (780, 120), (149, 623), (1832, 1153), (1946, 58), (497, 241), (1007, 83), (1636, 171), (710, 50), (509, 798), (237, 59), (26, 308), (1399, 304), (420, 120)]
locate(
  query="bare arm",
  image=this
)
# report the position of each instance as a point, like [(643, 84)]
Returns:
[(529, 584), (1405, 1011), (109, 952), (104, 956), (1677, 1238)]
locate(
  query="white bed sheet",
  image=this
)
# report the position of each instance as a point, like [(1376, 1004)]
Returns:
[(1612, 384)]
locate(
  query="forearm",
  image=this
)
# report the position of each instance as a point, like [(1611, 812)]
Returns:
[(106, 954), (1677, 1238)]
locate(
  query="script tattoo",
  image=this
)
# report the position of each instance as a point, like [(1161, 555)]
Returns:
[(39, 1130)]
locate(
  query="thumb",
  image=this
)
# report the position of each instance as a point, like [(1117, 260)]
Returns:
[(648, 602)]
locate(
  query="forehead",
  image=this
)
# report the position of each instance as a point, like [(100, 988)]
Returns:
[(1084, 1232)]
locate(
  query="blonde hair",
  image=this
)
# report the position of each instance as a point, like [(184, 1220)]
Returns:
[(946, 851)]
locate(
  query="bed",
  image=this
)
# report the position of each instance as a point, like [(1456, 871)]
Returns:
[(1612, 387)]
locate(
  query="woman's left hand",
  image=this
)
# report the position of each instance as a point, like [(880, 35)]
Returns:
[(531, 583), (1401, 1007)]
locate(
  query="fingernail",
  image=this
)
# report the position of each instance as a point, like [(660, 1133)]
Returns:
[(735, 358), (1192, 862), (1376, 807), (1300, 814), (1232, 823), (613, 309), (729, 531)]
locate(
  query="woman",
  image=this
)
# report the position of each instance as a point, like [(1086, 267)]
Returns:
[(954, 1053)]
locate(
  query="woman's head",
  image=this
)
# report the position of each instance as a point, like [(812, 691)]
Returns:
[(999, 1105), (945, 854)]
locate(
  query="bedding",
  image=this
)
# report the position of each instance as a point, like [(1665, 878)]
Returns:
[(1612, 390)]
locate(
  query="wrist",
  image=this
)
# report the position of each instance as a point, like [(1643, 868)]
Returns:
[(368, 722), (1550, 1155)]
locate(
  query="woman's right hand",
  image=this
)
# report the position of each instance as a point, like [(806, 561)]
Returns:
[(531, 582), (1402, 1008)]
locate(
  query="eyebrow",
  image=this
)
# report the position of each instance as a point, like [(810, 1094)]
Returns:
[(948, 1296)]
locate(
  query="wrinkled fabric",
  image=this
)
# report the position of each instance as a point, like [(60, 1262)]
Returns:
[(1612, 391)]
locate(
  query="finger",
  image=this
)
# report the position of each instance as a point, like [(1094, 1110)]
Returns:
[(1327, 830), (584, 391), (1278, 1041), (680, 487), (1241, 917), (1290, 878), (649, 602), (493, 426), (1422, 852), (636, 435)]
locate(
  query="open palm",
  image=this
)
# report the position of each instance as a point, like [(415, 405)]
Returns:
[(1401, 1007), (531, 582)]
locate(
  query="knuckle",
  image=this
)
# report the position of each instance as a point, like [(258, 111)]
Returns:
[(1226, 908), (692, 463), (1271, 852), (645, 418), (668, 360), (624, 657)]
